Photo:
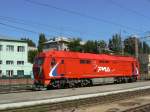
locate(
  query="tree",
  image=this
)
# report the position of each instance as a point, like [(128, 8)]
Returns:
[(29, 41), (146, 49), (140, 47), (129, 46), (42, 39), (102, 46), (32, 55), (115, 43), (75, 45), (90, 47)]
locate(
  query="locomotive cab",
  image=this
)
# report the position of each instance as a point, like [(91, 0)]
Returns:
[(43, 65), (38, 71)]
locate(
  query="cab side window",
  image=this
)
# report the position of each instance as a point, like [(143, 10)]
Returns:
[(62, 61), (85, 61), (53, 62)]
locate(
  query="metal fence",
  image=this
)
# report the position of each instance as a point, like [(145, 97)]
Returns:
[(15, 83), (145, 77)]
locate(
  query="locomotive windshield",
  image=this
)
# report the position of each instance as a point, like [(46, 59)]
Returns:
[(39, 61)]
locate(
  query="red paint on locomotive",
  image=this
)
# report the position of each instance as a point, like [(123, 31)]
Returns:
[(74, 65)]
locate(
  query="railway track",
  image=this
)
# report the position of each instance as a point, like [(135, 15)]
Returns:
[(73, 105), (143, 108)]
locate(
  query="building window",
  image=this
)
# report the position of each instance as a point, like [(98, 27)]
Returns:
[(9, 73), (1, 47), (9, 48), (20, 48), (20, 72), (9, 62), (20, 62), (0, 62)]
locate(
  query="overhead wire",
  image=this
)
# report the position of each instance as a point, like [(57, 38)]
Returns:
[(129, 9), (28, 24), (82, 15), (58, 30), (22, 29), (22, 23)]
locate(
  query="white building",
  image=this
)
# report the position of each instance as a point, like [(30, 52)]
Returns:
[(58, 43), (14, 58), (32, 48)]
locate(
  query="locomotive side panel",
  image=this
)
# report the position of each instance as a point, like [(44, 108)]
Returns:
[(71, 68), (120, 68), (79, 68)]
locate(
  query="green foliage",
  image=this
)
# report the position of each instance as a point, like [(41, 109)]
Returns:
[(32, 55), (129, 46), (90, 47), (75, 45), (143, 50), (29, 41), (115, 44), (102, 46), (140, 47), (146, 48), (42, 39), (129, 43)]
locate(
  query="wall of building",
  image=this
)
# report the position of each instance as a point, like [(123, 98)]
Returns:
[(55, 46), (14, 56)]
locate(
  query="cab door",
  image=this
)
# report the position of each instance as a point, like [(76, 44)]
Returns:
[(62, 70)]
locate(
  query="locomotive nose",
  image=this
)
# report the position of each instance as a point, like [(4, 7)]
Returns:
[(38, 71)]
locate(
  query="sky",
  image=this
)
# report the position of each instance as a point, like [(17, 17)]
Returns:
[(85, 19)]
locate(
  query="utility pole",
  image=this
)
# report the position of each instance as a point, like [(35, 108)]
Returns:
[(122, 46), (136, 48), (122, 42)]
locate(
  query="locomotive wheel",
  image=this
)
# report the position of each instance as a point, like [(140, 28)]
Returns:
[(85, 82), (134, 79), (130, 80), (117, 80), (63, 83), (39, 88), (89, 82), (55, 84), (71, 83)]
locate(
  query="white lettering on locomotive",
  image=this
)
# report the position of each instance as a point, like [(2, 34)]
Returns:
[(104, 69)]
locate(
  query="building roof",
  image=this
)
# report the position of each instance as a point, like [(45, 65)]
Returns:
[(58, 39), (10, 39)]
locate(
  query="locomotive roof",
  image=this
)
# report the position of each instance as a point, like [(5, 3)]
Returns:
[(69, 54)]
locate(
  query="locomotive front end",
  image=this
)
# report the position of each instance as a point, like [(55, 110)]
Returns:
[(38, 72)]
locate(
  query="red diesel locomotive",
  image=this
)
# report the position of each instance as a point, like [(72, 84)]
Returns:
[(68, 69)]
